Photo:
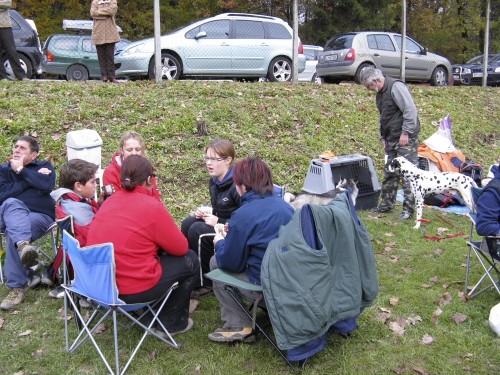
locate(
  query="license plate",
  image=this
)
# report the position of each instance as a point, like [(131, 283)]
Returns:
[(331, 57), (477, 74)]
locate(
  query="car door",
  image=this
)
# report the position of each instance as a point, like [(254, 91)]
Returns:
[(384, 53), (206, 49), (89, 57), (418, 65), (250, 49)]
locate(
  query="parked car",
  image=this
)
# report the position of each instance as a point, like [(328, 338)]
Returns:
[(309, 73), (471, 73), (73, 56), (345, 55), (27, 45), (230, 45)]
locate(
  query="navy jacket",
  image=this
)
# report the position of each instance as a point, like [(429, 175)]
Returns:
[(223, 196), (251, 228), (29, 186), (488, 207)]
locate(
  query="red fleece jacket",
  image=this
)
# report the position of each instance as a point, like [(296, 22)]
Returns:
[(139, 226)]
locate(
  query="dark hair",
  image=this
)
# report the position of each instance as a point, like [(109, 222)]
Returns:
[(76, 170), (34, 146), (135, 170), (223, 148), (255, 175)]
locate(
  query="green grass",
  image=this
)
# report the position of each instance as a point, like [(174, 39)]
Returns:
[(287, 126)]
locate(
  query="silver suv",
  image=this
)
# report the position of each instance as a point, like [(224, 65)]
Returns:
[(345, 55), (230, 45)]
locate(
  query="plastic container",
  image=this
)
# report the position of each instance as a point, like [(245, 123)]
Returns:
[(84, 144)]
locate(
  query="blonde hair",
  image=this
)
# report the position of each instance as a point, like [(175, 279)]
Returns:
[(132, 135)]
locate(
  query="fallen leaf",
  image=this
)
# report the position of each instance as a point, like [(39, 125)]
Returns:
[(383, 317), (440, 231), (446, 286), (438, 251), (197, 369), (396, 328), (1, 322), (394, 301), (467, 368), (389, 234), (100, 329), (420, 371), (401, 369), (383, 309), (426, 286), (413, 319), (468, 356), (434, 279), (459, 318), (428, 339), (445, 299), (394, 258), (25, 333), (407, 269)]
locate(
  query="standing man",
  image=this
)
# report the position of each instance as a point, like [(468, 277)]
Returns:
[(7, 45), (104, 36), (26, 212), (399, 128)]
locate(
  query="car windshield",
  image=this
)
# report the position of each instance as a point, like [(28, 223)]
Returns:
[(478, 60), (340, 42)]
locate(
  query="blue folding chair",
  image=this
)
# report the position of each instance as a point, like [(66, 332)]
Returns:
[(94, 279)]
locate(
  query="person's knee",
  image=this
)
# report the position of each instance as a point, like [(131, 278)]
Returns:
[(213, 263)]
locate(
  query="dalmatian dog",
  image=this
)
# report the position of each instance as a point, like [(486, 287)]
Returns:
[(427, 183)]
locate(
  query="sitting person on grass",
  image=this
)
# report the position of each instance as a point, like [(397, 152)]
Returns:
[(240, 253), (219, 160), (131, 143), (151, 253), (75, 197)]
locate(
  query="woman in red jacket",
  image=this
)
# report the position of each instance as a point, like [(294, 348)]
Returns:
[(131, 143), (151, 253)]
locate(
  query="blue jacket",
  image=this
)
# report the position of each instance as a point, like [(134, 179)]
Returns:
[(251, 228), (488, 207), (29, 186)]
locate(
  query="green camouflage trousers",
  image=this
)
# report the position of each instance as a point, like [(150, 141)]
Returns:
[(390, 182)]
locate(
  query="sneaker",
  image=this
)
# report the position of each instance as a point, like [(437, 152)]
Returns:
[(27, 253), (46, 277), (57, 292), (14, 298), (33, 279), (405, 216), (231, 335), (189, 326)]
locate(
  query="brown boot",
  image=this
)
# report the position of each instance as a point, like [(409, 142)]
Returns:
[(27, 253), (14, 298), (104, 78)]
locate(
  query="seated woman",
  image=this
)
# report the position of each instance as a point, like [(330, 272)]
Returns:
[(131, 143), (219, 159), (151, 253), (240, 253)]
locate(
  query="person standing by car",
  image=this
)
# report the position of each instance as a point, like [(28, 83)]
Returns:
[(7, 45), (399, 128), (105, 35)]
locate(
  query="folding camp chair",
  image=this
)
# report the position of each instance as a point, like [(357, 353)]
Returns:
[(94, 268), (486, 252), (41, 245), (232, 285)]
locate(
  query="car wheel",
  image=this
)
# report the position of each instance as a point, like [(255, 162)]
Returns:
[(316, 79), (280, 70), (439, 77), (77, 73), (360, 69), (170, 67), (25, 64)]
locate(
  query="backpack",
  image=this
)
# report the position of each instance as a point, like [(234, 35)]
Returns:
[(473, 170)]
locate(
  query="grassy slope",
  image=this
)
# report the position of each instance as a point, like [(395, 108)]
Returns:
[(287, 126)]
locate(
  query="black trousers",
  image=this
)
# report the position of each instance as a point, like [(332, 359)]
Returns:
[(106, 57), (8, 52), (184, 270)]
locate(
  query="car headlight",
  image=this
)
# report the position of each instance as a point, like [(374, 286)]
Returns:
[(138, 48), (467, 71), (497, 70)]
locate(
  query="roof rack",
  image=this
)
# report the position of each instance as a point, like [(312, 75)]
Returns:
[(81, 25)]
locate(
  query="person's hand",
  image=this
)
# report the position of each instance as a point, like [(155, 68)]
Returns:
[(403, 139), (44, 171), (217, 238), (16, 163), (199, 214), (210, 220)]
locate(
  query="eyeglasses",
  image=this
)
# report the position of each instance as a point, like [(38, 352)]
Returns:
[(212, 159)]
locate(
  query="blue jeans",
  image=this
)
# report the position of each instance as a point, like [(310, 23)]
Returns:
[(14, 220)]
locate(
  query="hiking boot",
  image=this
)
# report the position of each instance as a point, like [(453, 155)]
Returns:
[(232, 335), (14, 298), (405, 216), (160, 332), (46, 277), (379, 210), (33, 279), (57, 292), (27, 253)]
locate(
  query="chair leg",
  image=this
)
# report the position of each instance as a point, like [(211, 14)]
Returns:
[(489, 266), (233, 292)]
